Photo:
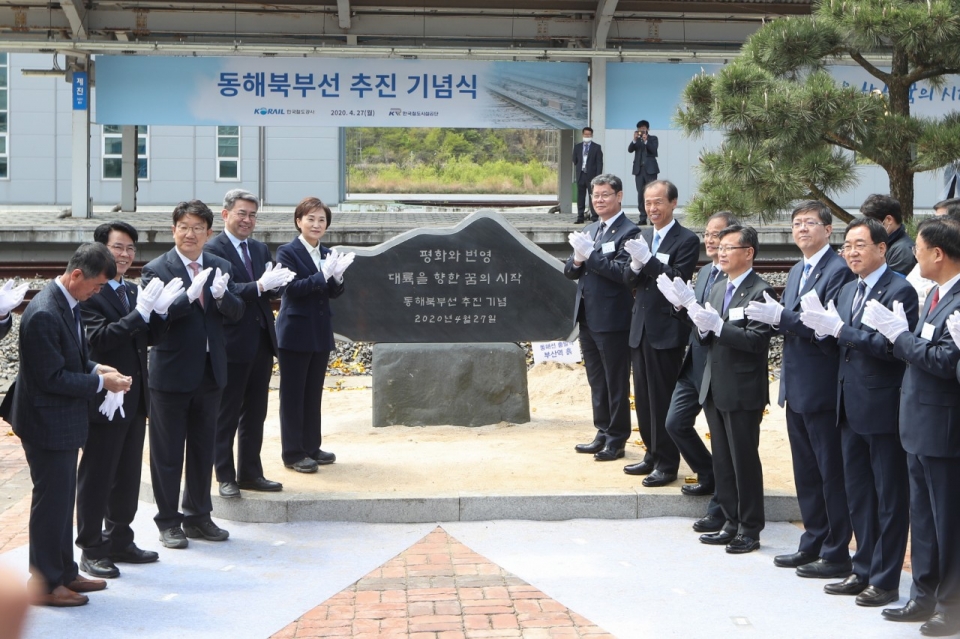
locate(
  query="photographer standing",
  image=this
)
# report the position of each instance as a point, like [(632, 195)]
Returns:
[(645, 167)]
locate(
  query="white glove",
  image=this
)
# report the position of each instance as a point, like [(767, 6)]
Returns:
[(219, 285), (147, 298), (767, 311), (823, 323), (707, 319), (274, 276), (196, 287), (11, 296), (684, 292), (811, 302), (953, 325), (582, 246), (111, 403), (328, 266), (170, 292), (665, 286), (639, 252), (346, 259), (889, 323)]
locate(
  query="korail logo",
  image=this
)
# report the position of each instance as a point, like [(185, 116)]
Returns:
[(266, 111)]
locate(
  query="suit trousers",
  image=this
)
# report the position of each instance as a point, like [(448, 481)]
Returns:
[(54, 476), (681, 419), (584, 194), (642, 180), (178, 421), (878, 490), (735, 437), (655, 375), (301, 389), (108, 486), (934, 531), (243, 409), (818, 474), (606, 358)]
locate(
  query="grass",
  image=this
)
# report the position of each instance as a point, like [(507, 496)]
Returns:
[(455, 176)]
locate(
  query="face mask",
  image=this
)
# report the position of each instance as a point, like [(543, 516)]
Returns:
[(585, 140)]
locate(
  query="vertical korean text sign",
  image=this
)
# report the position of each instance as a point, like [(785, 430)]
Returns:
[(81, 91)]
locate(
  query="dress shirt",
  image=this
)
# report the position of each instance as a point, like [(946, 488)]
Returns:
[(812, 263), (73, 304)]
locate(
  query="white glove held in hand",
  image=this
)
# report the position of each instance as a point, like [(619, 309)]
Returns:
[(147, 298), (684, 292), (953, 325), (219, 285), (639, 252), (274, 276), (823, 323), (767, 311), (328, 266), (889, 323), (707, 319), (811, 302), (11, 296), (196, 287), (665, 286), (346, 259), (111, 403), (170, 292), (582, 246)]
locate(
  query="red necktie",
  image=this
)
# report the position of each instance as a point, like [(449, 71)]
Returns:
[(936, 300)]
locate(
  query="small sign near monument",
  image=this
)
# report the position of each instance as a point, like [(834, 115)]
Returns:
[(559, 352)]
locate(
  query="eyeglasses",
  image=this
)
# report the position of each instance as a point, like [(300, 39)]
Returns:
[(603, 196), (243, 215), (196, 230), (858, 246), (799, 224), (710, 236), (121, 248), (727, 249)]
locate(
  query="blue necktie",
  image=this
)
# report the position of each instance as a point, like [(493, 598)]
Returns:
[(714, 272), (803, 278), (858, 300), (656, 242), (728, 296), (76, 318)]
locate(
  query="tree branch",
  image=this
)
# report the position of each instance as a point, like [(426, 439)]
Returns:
[(837, 140), (835, 208), (872, 70), (928, 72)]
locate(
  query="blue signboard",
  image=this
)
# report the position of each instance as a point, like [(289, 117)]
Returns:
[(80, 91)]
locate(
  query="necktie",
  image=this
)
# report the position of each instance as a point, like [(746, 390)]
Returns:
[(196, 271), (600, 230), (859, 299), (728, 296), (714, 272), (803, 278), (246, 260), (656, 242), (936, 300), (122, 294), (76, 318)]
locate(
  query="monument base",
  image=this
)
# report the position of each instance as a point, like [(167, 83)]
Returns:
[(459, 384)]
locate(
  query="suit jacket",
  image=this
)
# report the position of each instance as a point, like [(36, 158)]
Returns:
[(736, 367), (56, 378), (695, 359), (120, 339), (178, 359), (243, 336), (930, 393), (645, 155), (869, 377), (594, 162), (305, 320), (652, 313), (605, 300), (808, 376)]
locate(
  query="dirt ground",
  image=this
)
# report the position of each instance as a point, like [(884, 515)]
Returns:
[(504, 458)]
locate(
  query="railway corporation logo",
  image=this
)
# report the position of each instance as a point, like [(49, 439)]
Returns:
[(266, 111)]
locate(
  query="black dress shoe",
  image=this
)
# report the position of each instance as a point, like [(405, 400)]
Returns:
[(305, 465), (940, 625), (133, 555), (322, 458), (262, 484), (593, 447), (910, 612), (641, 468), (579, 220), (699, 489), (658, 478), (852, 585), (873, 597), (102, 568), (823, 569), (798, 558), (642, 221), (173, 537), (742, 544), (207, 530), (609, 453), (229, 490), (719, 538), (709, 523)]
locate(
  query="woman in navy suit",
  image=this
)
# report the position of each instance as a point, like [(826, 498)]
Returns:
[(305, 336)]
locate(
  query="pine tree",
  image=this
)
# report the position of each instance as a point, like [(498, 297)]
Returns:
[(789, 127)]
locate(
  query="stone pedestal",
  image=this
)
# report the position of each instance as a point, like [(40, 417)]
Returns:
[(459, 384)]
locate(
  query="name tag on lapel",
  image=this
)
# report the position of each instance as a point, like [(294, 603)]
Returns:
[(927, 331), (735, 314), (608, 247), (664, 258)]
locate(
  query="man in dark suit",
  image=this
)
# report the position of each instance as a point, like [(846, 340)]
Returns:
[(118, 323), (685, 401), (734, 389), (587, 164), (49, 414), (886, 210), (868, 397), (808, 391), (188, 370), (657, 338), (251, 346), (930, 430), (645, 168), (602, 309)]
